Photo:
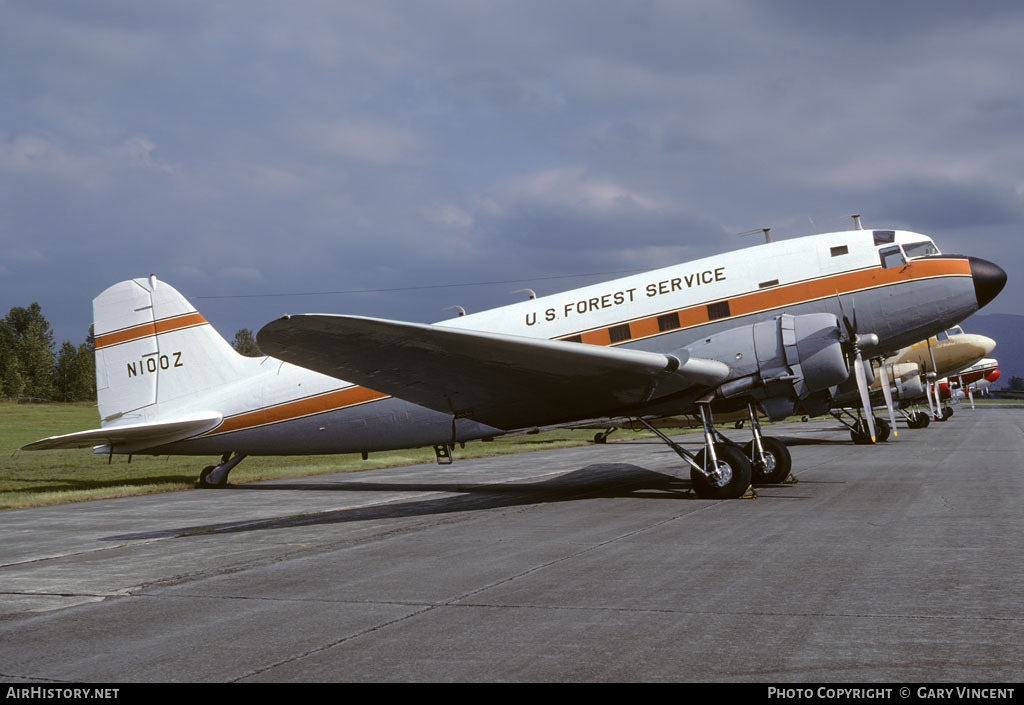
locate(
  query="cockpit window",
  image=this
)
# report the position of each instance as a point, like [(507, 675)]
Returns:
[(884, 237), (955, 330), (920, 249), (891, 257), (942, 336)]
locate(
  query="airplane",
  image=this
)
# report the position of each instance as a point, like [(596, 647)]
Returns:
[(944, 354), (769, 325), (962, 385)]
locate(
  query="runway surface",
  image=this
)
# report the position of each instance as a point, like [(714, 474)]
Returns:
[(892, 563)]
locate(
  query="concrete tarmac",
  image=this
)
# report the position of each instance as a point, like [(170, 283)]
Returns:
[(895, 563)]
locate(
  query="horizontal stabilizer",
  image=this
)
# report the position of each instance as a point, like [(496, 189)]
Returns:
[(141, 435), (503, 381)]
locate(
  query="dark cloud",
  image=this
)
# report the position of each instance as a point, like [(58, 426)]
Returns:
[(247, 148)]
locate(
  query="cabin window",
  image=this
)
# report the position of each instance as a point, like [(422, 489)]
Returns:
[(955, 330), (574, 339), (891, 257), (719, 310), (920, 249), (884, 237), (942, 336), (619, 333), (670, 321), (840, 250), (765, 285)]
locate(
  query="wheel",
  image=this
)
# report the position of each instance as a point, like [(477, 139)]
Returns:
[(859, 433), (947, 411), (778, 466), (600, 438), (923, 419), (735, 475), (913, 421), (738, 424), (203, 483), (882, 429)]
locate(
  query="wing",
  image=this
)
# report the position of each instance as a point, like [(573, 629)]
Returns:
[(500, 380), (141, 435)]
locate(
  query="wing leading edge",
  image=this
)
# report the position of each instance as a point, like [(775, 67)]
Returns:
[(500, 380)]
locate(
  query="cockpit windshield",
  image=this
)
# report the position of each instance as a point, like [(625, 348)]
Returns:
[(920, 249)]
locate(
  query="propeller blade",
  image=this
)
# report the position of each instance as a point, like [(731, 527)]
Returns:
[(928, 395), (851, 329), (887, 393), (865, 397)]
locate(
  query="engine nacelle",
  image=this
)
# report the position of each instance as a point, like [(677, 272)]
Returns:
[(780, 362), (908, 383)]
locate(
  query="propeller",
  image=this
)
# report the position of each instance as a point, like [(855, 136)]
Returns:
[(887, 393), (970, 390), (932, 376), (854, 344)]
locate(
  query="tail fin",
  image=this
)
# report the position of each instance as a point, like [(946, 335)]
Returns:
[(153, 347)]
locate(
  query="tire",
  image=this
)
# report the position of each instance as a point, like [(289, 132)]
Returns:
[(947, 412), (859, 433), (882, 429), (914, 422), (203, 484), (779, 462), (737, 475), (924, 418)]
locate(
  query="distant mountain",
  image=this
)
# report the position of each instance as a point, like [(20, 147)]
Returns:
[(1007, 330)]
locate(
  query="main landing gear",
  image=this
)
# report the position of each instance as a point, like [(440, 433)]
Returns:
[(214, 476), (917, 419), (770, 459), (723, 470), (858, 426)]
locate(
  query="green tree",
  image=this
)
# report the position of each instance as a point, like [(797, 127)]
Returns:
[(1017, 384), (35, 356), (33, 353), (75, 373), (245, 344), (11, 382)]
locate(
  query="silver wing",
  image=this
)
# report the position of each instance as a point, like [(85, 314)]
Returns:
[(503, 381)]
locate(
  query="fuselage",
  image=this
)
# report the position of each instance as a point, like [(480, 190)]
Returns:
[(894, 283)]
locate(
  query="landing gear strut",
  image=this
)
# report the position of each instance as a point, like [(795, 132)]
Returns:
[(917, 419), (718, 471), (214, 476), (770, 459), (858, 426)]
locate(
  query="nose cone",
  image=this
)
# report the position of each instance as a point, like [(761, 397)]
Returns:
[(982, 345), (989, 279)]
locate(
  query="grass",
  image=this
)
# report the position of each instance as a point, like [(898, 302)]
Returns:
[(38, 478)]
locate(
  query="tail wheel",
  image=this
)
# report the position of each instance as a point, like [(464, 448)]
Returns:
[(734, 475), (204, 476), (778, 462)]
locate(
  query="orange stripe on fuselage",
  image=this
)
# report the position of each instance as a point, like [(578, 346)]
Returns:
[(741, 304), (147, 329), (785, 295), (350, 396)]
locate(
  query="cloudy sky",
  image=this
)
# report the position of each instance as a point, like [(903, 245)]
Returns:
[(238, 149)]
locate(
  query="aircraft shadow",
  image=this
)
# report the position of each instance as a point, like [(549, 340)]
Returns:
[(601, 480)]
